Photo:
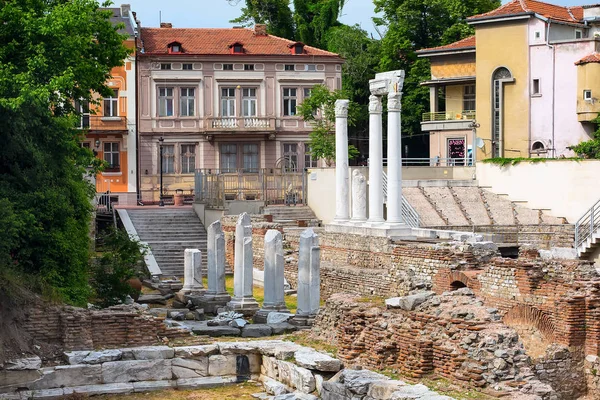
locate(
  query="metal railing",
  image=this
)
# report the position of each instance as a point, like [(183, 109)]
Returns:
[(448, 116), (409, 214), (241, 123), (587, 225), (100, 122), (273, 186), (435, 162)]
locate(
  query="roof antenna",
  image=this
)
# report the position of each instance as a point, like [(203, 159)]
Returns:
[(159, 17)]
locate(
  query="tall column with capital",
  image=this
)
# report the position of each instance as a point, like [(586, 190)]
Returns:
[(342, 184), (375, 160), (394, 172)]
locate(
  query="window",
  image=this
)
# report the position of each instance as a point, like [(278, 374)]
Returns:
[(111, 156), (290, 154), (249, 102), (578, 33), (186, 102), (500, 76), (535, 87), (307, 92), (111, 104), (238, 48), (289, 101), (298, 48), (250, 158), (587, 95), (228, 102), (227, 67), (168, 159), (228, 157), (309, 160), (86, 145), (538, 34), (188, 158), (175, 48), (248, 67), (83, 108), (289, 67), (538, 147), (468, 98), (188, 67), (165, 67), (310, 67), (165, 102)]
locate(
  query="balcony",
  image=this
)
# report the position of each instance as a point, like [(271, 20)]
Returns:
[(447, 120), (102, 123), (241, 124)]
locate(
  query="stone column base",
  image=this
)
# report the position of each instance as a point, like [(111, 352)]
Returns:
[(247, 306), (261, 315), (211, 303), (303, 321)]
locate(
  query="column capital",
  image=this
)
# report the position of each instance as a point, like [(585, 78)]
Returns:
[(394, 101), (341, 108), (375, 106)]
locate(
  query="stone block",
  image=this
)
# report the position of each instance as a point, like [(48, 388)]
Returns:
[(150, 352), (184, 368), (94, 390), (75, 357), (20, 364), (239, 347), (295, 396), (358, 381), (47, 394), (68, 375), (196, 351), (216, 331), (383, 390), (16, 379), (273, 387), (132, 371), (148, 386), (317, 361), (282, 328), (296, 377), (205, 383), (410, 392), (269, 367), (409, 303), (257, 330), (99, 357), (278, 317), (221, 365)]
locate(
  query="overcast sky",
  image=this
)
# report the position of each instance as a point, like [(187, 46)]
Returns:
[(217, 13)]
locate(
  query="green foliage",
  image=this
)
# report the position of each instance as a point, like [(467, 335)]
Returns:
[(514, 161), (118, 263), (589, 148), (319, 109), (417, 24), (53, 52), (276, 14)]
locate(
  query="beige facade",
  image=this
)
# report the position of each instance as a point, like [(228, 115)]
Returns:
[(588, 91)]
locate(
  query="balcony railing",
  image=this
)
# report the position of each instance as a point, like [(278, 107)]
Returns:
[(448, 116), (102, 123), (252, 123)]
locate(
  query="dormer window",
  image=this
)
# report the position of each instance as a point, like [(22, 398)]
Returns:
[(237, 48), (297, 48), (174, 47)]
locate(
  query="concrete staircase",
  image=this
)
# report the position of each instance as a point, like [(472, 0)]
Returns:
[(168, 232), (288, 216)]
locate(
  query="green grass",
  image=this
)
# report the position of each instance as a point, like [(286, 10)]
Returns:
[(259, 294)]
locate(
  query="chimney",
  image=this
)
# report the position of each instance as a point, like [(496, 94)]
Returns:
[(125, 9), (260, 30), (167, 25)]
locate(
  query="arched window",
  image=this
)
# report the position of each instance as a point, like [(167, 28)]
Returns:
[(538, 147), (500, 76)]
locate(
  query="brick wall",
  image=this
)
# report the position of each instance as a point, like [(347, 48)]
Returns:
[(80, 329)]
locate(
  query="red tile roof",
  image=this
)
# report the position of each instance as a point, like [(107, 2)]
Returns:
[(551, 11), (217, 41), (590, 58), (463, 44)]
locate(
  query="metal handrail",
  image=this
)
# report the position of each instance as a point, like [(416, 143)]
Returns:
[(435, 162), (409, 214), (587, 225), (448, 116)]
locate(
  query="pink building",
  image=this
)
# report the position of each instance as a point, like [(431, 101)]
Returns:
[(224, 100)]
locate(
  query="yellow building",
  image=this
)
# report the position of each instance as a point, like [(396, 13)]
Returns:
[(529, 71)]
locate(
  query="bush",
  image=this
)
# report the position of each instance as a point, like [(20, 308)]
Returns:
[(114, 267)]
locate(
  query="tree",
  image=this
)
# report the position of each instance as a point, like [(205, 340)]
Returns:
[(53, 52), (314, 18), (416, 24), (589, 148), (276, 14), (319, 109)]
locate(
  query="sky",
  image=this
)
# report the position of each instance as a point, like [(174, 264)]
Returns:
[(217, 13)]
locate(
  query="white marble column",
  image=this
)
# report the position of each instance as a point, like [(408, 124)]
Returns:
[(192, 271), (274, 300), (309, 274), (342, 184), (216, 264), (359, 197), (243, 300), (394, 171), (375, 160)]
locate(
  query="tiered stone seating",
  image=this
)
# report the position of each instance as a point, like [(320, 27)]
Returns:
[(428, 214), (470, 198), (501, 208), (444, 201), (551, 220), (527, 216)]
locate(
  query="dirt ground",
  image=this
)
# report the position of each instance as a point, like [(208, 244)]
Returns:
[(234, 392)]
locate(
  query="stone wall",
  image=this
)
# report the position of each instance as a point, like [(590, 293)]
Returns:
[(75, 328)]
